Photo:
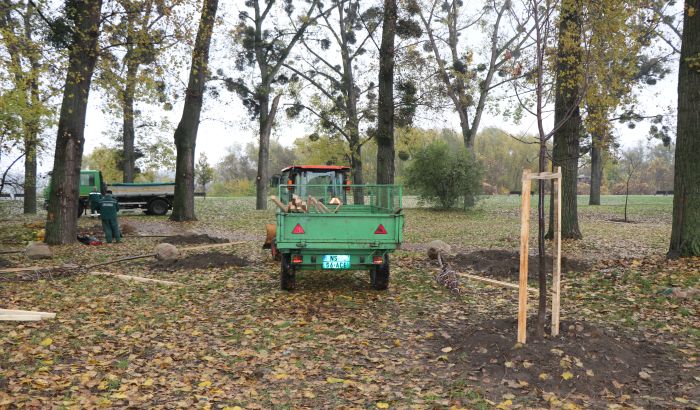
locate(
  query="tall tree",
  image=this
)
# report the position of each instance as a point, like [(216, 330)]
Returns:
[(341, 74), (28, 63), (685, 231), (85, 18), (570, 85), (467, 79), (186, 132), (265, 44), (385, 106), (132, 69)]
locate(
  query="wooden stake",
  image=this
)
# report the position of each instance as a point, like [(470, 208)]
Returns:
[(20, 317), (556, 269), (495, 282), (136, 278), (10, 270), (524, 238)]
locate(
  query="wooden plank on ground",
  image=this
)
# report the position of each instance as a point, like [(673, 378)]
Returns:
[(524, 238), (137, 278), (495, 282), (43, 315), (19, 317), (28, 268)]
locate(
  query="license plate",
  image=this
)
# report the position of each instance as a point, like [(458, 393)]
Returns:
[(336, 261)]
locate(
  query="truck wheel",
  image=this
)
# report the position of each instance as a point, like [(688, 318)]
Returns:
[(158, 207), (379, 275), (288, 280)]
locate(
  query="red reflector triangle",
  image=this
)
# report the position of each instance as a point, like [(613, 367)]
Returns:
[(298, 229), (380, 230)]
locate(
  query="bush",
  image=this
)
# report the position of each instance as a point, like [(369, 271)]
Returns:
[(440, 174)]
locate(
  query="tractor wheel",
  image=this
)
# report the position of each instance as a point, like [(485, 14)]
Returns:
[(379, 275), (158, 207), (288, 280)]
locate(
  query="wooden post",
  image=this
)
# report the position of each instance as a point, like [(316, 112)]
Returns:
[(556, 269), (524, 238)]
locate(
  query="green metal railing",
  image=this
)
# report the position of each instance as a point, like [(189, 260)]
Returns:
[(355, 198)]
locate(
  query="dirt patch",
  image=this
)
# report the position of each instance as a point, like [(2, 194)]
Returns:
[(584, 364), (201, 261), (506, 264), (192, 239)]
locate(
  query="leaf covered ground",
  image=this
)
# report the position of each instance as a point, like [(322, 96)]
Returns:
[(229, 337)]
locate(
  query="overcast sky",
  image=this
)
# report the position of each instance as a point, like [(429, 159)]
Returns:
[(225, 121)]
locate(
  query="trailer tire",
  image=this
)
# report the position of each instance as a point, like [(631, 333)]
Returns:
[(379, 275), (288, 280), (158, 207)]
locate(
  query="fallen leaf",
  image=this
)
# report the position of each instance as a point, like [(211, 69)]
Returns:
[(644, 375), (46, 342), (567, 375), (204, 384), (382, 405), (446, 349), (544, 376), (148, 383), (332, 380), (509, 365)]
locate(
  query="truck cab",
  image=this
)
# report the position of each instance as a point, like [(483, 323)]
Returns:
[(320, 181)]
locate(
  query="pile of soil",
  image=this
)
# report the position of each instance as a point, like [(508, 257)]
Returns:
[(506, 264), (585, 364), (192, 239), (201, 261)]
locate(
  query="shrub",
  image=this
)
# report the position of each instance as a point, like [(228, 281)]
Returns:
[(440, 174)]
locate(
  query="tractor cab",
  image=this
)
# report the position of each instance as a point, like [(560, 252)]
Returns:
[(323, 182)]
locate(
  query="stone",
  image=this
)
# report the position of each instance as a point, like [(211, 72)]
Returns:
[(436, 247), (38, 250), (167, 252)]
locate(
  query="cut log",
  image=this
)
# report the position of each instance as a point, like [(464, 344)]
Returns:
[(337, 208), (279, 203), (136, 278)]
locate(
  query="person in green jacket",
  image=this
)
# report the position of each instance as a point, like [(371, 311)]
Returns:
[(108, 214), (95, 198)]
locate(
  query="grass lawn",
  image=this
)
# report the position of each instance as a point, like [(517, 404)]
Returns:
[(228, 337)]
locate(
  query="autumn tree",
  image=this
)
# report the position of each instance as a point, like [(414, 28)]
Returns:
[(265, 44), (30, 88), (468, 76), (204, 173), (131, 66), (340, 70), (685, 231), (186, 131), (83, 24)]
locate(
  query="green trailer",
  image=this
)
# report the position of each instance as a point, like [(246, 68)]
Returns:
[(354, 228)]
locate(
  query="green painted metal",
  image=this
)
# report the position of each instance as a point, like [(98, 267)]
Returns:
[(354, 230)]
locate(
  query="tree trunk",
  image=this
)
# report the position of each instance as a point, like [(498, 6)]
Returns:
[(685, 231), (30, 143), (358, 195), (385, 104), (627, 195), (267, 120), (567, 117), (128, 135), (186, 132), (65, 178), (596, 169)]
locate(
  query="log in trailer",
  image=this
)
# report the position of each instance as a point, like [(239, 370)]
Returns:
[(331, 224)]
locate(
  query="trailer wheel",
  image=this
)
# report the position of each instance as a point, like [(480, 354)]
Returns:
[(379, 275), (158, 207), (288, 280), (276, 255)]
